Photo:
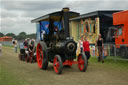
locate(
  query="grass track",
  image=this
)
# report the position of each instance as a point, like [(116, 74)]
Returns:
[(15, 72)]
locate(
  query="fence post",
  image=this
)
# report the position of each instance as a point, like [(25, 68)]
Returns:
[(109, 48), (115, 52)]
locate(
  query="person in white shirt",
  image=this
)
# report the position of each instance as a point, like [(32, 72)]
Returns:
[(15, 46), (42, 34), (81, 43)]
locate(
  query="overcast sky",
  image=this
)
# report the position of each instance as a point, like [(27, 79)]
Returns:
[(15, 15)]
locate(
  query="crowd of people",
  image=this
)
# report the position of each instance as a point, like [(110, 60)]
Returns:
[(29, 45), (83, 46)]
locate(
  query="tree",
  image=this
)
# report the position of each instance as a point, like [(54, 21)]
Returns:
[(21, 36), (11, 35), (31, 36), (1, 34)]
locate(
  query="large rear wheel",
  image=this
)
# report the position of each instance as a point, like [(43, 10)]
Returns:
[(82, 62), (41, 57), (57, 64)]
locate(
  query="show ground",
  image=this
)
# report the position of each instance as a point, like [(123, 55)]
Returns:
[(16, 72)]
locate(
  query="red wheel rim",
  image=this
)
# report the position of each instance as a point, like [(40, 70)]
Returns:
[(81, 63), (56, 64), (39, 57)]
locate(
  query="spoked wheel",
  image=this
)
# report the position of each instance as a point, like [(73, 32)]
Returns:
[(57, 64), (41, 58), (82, 62)]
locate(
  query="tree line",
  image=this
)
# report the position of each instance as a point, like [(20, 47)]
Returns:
[(20, 36)]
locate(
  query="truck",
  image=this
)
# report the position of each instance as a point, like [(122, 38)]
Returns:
[(118, 34)]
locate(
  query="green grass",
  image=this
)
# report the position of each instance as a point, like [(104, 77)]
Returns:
[(118, 64), (16, 72), (8, 78), (11, 46)]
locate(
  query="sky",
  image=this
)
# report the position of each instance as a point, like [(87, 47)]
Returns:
[(16, 15)]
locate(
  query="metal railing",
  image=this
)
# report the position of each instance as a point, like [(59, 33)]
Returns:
[(109, 51)]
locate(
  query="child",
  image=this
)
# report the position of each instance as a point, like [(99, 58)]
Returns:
[(80, 46)]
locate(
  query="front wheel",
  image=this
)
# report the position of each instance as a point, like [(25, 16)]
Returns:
[(57, 64), (82, 62)]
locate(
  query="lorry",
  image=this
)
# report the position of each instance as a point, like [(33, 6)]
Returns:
[(118, 34)]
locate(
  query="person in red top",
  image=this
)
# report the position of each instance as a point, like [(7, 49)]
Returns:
[(86, 48)]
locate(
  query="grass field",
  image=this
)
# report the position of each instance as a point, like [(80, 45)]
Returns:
[(16, 72)]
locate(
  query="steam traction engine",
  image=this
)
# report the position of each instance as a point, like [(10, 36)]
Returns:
[(54, 42)]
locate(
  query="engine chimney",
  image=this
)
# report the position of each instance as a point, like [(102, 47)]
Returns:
[(66, 21)]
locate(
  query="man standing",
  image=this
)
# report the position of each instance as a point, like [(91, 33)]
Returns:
[(99, 44), (15, 45)]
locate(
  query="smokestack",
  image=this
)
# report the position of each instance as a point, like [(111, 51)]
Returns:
[(66, 21)]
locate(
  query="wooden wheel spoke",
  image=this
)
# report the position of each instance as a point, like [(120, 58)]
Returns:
[(40, 61), (39, 50), (81, 62)]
